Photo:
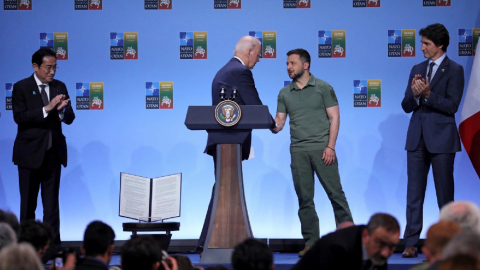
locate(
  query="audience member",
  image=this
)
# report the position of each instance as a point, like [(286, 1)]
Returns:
[(7, 235), (36, 234), (438, 236), (144, 253), (217, 267), (460, 262), (464, 243), (464, 213), (357, 247), (11, 220), (19, 257), (252, 254), (184, 263), (97, 247)]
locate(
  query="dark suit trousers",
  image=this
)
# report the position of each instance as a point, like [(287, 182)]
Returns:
[(418, 166), (206, 223), (48, 177)]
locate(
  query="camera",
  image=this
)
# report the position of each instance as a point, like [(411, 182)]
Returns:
[(61, 257)]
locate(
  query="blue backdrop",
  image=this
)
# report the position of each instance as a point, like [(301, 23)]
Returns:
[(126, 137)]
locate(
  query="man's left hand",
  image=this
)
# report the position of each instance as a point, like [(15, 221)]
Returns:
[(328, 156), (423, 87), (62, 104)]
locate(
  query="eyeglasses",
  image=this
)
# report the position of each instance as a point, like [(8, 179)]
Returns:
[(50, 68)]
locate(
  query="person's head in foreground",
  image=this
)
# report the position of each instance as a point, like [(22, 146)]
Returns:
[(380, 237), (252, 254)]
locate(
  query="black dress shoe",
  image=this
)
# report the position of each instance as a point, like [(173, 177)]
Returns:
[(410, 252)]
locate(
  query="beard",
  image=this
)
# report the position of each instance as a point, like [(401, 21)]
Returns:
[(295, 76)]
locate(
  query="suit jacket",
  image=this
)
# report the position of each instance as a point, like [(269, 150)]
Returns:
[(32, 133), (90, 264), (233, 75), (341, 249), (435, 118)]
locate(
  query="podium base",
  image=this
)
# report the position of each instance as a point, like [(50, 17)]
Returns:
[(216, 256)]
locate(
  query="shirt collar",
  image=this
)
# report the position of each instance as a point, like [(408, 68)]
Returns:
[(239, 60), (364, 253), (439, 60), (311, 81), (38, 80)]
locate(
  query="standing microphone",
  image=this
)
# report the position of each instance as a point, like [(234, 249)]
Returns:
[(222, 93)]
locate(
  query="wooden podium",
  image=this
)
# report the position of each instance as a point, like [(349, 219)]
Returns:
[(229, 222)]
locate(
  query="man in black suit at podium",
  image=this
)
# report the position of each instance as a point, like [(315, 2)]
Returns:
[(236, 74)]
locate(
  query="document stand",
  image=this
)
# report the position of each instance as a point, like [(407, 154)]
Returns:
[(166, 227), (229, 222)]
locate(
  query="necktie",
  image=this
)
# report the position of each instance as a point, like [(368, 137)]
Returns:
[(44, 95), (45, 103), (429, 74)]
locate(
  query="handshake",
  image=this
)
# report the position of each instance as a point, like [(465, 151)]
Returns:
[(279, 122)]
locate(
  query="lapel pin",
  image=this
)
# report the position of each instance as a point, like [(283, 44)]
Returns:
[(34, 93), (443, 70)]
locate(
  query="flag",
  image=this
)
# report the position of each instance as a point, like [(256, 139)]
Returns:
[(470, 118)]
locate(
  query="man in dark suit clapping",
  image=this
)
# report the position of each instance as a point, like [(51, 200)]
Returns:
[(40, 105), (433, 94)]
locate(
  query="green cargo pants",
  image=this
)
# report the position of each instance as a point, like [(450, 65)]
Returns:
[(303, 165)]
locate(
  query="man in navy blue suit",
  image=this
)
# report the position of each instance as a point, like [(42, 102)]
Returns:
[(433, 94), (236, 74)]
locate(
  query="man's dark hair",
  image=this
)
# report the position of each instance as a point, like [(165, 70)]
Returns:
[(252, 254), (438, 34), (97, 238), (37, 57), (183, 262), (140, 253), (383, 220), (11, 220), (36, 233), (303, 54)]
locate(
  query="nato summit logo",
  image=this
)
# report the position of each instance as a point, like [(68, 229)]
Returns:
[(296, 3), (401, 43), (17, 4), (467, 41), (437, 3), (159, 95), (8, 96), (58, 42), (193, 45), (367, 93), (88, 4), (332, 44), (268, 40), (366, 3), (227, 4), (124, 45), (158, 4), (89, 96)]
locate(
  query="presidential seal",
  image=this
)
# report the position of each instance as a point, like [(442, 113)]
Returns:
[(228, 113)]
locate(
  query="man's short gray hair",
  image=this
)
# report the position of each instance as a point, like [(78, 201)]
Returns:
[(246, 43), (19, 257), (466, 242), (7, 235), (464, 213)]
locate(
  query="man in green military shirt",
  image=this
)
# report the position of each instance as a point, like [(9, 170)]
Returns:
[(314, 122)]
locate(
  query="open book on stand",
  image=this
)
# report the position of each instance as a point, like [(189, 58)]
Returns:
[(150, 199)]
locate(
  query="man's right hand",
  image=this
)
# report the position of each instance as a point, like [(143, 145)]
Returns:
[(54, 103)]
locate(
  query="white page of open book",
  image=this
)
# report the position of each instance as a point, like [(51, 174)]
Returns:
[(134, 196), (166, 196)]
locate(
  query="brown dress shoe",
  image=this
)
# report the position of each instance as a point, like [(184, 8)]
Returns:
[(301, 253), (410, 252)]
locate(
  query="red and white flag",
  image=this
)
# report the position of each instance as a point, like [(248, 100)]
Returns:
[(470, 123)]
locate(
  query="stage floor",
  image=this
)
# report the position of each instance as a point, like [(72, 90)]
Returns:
[(285, 261)]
